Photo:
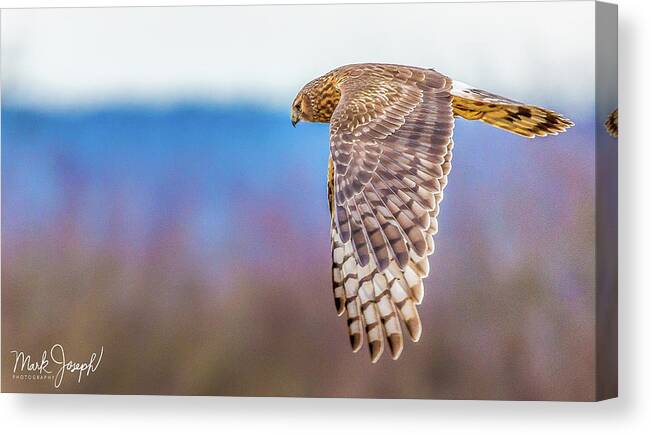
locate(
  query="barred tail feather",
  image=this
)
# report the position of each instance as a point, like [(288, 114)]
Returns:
[(612, 123), (519, 118)]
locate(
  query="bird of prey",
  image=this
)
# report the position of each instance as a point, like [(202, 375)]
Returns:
[(612, 123), (390, 153)]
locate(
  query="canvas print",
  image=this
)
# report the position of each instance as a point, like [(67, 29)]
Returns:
[(186, 190)]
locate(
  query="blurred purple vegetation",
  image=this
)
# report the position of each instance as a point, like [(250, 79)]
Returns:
[(193, 244)]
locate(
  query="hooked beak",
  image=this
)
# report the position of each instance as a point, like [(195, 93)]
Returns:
[(295, 120)]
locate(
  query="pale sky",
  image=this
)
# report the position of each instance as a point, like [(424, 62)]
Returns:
[(263, 54)]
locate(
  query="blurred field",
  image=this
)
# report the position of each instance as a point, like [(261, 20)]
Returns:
[(192, 243)]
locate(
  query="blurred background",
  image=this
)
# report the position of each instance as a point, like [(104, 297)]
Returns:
[(157, 202)]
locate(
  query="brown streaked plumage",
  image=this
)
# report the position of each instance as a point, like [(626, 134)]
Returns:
[(612, 123), (390, 155)]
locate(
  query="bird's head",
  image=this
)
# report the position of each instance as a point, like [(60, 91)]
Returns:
[(316, 102), (301, 109)]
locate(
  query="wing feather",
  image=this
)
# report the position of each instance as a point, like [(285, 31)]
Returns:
[(390, 157), (390, 148)]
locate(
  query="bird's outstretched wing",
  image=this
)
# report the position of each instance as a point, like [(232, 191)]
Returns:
[(612, 123), (519, 118), (390, 149)]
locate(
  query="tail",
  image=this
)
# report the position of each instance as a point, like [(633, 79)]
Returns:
[(612, 123), (528, 121)]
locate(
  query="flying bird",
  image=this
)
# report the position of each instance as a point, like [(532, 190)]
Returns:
[(612, 123), (390, 154)]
